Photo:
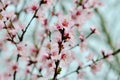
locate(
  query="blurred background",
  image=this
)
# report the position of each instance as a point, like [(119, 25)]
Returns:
[(106, 20)]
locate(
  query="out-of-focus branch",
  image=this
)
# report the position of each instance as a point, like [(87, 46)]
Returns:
[(90, 34), (24, 31), (34, 16), (80, 68), (104, 29), (108, 37)]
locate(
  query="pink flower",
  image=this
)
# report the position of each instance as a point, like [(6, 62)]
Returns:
[(48, 3), (55, 56), (14, 67), (90, 56), (45, 57), (66, 58), (108, 55), (94, 30), (27, 71), (83, 46), (82, 37), (80, 63), (9, 15), (80, 75), (1, 25), (58, 26), (22, 48), (5, 76), (78, 13), (34, 77), (96, 67), (65, 23), (63, 56), (32, 6)]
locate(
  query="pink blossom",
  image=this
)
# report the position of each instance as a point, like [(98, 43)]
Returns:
[(46, 46), (65, 23), (14, 67), (96, 67), (45, 57), (58, 26), (80, 75), (1, 25), (81, 37), (90, 56), (108, 55), (5, 76), (9, 15), (48, 3), (66, 58), (33, 7), (94, 30), (22, 48)]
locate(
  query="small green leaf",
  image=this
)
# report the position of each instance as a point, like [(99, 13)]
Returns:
[(59, 70), (81, 1), (51, 79)]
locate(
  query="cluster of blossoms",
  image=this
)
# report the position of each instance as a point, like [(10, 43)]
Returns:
[(49, 49)]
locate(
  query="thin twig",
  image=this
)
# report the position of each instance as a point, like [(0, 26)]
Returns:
[(114, 53)]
